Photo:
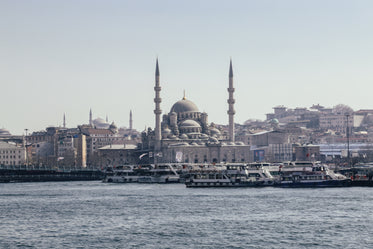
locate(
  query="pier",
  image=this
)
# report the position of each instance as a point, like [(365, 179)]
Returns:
[(23, 173)]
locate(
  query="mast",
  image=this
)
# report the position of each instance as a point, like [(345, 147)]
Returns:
[(348, 139)]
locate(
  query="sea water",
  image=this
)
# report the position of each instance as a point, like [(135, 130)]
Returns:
[(102, 215)]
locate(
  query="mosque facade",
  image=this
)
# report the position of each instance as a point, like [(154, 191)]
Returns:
[(185, 135)]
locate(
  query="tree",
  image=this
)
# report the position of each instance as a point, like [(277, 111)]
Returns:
[(342, 109)]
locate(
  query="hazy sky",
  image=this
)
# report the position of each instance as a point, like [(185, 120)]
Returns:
[(70, 56)]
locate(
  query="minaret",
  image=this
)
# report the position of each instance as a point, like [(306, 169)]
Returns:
[(64, 120), (107, 119), (157, 111), (231, 101), (90, 117), (131, 120)]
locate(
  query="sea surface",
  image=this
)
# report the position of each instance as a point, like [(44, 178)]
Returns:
[(102, 215)]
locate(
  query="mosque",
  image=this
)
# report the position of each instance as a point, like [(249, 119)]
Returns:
[(185, 135)]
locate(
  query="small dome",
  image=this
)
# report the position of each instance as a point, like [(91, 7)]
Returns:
[(184, 105), (183, 136), (214, 131), (166, 131), (213, 140), (189, 124)]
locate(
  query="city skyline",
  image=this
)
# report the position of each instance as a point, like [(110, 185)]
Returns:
[(68, 57)]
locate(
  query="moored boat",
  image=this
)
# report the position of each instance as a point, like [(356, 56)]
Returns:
[(143, 174), (315, 176), (235, 175)]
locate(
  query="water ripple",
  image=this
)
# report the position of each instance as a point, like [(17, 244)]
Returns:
[(97, 215)]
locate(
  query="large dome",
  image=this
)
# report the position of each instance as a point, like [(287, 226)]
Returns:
[(189, 123), (184, 105)]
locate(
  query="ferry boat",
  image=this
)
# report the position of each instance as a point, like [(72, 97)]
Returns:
[(143, 174), (315, 176), (360, 174), (229, 176)]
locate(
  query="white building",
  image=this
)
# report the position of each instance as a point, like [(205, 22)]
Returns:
[(336, 122), (11, 154)]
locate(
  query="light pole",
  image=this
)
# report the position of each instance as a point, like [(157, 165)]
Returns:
[(348, 139)]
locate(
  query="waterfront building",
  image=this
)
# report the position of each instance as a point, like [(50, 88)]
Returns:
[(271, 146), (114, 155), (185, 135), (307, 152), (100, 134), (12, 154)]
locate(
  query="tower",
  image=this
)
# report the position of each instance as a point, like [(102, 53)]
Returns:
[(157, 111), (90, 117), (131, 120), (231, 102), (64, 120)]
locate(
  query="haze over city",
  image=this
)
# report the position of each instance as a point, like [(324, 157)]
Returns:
[(69, 56)]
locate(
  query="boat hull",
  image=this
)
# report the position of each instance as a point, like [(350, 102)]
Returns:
[(227, 184), (314, 184)]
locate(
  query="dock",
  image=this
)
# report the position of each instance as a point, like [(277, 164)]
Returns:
[(23, 173)]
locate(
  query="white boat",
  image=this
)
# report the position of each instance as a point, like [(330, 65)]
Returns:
[(160, 174), (234, 175), (315, 176), (143, 174), (121, 174)]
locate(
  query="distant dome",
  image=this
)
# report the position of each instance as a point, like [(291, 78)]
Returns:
[(275, 121), (4, 132), (100, 123), (184, 105)]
